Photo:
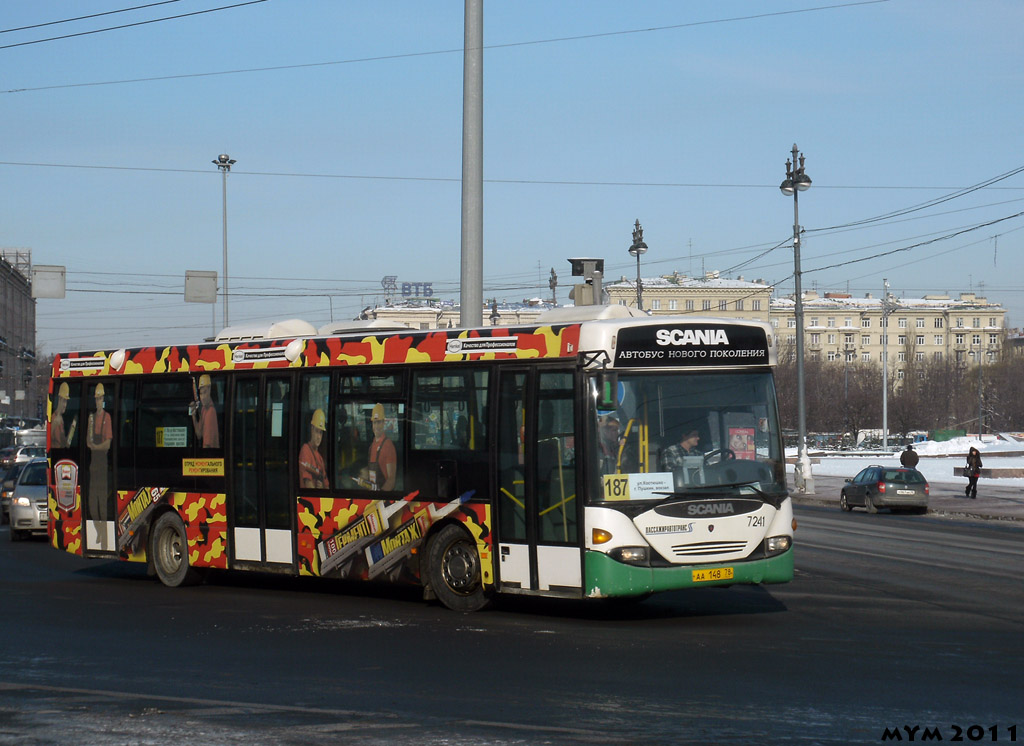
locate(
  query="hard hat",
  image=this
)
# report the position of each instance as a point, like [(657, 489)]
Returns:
[(64, 392), (204, 380), (99, 390), (378, 413), (319, 421)]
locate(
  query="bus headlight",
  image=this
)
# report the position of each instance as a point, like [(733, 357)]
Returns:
[(777, 544), (630, 555)]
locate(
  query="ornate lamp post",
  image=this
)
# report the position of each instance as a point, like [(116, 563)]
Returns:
[(224, 162), (797, 181), (637, 249)]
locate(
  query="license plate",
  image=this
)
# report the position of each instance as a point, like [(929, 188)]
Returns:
[(714, 573), (905, 492)]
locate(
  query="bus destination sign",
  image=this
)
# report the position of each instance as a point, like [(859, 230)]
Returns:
[(696, 345)]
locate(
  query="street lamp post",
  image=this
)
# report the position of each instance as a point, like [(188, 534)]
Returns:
[(797, 181), (887, 309), (224, 162), (637, 249), (981, 360)]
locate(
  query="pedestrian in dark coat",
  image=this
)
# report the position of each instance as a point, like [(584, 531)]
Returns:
[(909, 457), (972, 472)]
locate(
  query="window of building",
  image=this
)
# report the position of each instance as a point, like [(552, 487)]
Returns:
[(755, 305), (847, 321), (706, 305), (831, 322), (919, 357), (903, 323), (920, 339), (673, 305), (959, 339), (865, 357), (901, 339), (833, 356), (977, 322), (866, 322), (655, 305), (831, 339), (959, 323), (938, 322), (723, 305), (938, 339), (739, 305), (899, 374), (993, 322), (901, 357), (791, 323), (975, 339), (814, 320), (865, 339), (920, 323), (815, 339), (775, 323), (938, 356), (689, 305), (993, 339)]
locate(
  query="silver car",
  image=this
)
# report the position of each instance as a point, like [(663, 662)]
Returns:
[(28, 501)]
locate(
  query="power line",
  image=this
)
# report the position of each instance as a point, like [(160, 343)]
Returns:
[(459, 50), (129, 25), (84, 18)]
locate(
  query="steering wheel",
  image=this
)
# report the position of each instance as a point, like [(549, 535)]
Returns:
[(724, 454)]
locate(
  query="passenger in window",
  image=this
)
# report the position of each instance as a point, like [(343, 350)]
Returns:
[(312, 468), (101, 433), (672, 457), (59, 438), (204, 415), (616, 458), (383, 459)]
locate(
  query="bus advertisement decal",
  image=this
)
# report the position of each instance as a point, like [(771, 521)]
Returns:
[(65, 482), (135, 513), (202, 467), (342, 546)]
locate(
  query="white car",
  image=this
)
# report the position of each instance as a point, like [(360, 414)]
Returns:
[(29, 511)]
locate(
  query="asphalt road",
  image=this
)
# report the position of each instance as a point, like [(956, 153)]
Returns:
[(891, 622)]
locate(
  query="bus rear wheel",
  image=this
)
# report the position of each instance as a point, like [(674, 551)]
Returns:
[(168, 545), (453, 570)]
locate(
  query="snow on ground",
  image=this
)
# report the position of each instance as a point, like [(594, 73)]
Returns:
[(940, 462)]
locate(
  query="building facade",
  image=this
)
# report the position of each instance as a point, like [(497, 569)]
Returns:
[(839, 327), (19, 388), (710, 295)]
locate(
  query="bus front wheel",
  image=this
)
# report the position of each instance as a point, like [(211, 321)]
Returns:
[(169, 547), (454, 570)]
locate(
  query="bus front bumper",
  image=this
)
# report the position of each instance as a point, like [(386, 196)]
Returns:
[(606, 577)]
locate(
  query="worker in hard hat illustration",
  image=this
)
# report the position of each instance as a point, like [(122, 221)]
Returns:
[(59, 437), (312, 468), (204, 415), (98, 439), (383, 460)]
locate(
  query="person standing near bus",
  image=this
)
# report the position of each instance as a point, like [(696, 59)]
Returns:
[(59, 438), (312, 469), (204, 415), (382, 451), (101, 433)]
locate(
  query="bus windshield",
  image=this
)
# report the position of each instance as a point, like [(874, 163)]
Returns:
[(687, 434)]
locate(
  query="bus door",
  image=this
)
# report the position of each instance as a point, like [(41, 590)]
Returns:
[(97, 478), (538, 522), (259, 494)]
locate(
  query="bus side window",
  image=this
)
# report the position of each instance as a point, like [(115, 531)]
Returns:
[(64, 415)]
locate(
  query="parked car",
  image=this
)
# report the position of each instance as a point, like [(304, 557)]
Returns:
[(893, 487), (7, 487), (28, 501)]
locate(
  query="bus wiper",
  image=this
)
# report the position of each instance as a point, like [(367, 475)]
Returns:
[(704, 487)]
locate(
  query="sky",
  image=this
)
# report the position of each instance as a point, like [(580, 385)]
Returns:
[(345, 121)]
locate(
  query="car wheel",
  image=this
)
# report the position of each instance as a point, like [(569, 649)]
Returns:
[(844, 503), (453, 570), (169, 547), (869, 503)]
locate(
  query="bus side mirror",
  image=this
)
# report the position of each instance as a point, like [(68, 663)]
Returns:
[(607, 390)]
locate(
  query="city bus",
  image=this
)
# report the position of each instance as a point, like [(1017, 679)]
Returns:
[(542, 459)]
